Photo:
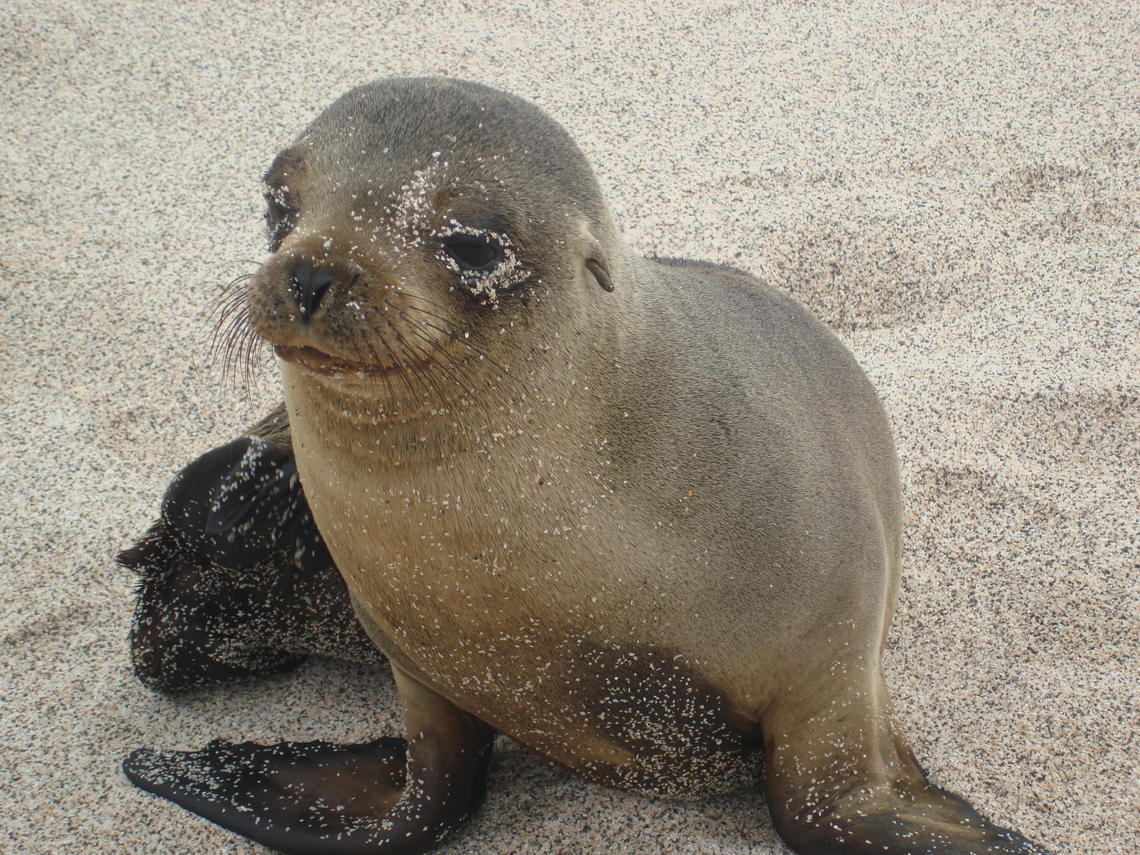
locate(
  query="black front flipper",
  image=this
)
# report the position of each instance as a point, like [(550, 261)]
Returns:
[(295, 796), (235, 579), (317, 797)]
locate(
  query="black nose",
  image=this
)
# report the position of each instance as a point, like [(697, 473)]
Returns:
[(308, 285)]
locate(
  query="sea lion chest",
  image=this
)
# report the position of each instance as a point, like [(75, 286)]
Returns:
[(512, 580)]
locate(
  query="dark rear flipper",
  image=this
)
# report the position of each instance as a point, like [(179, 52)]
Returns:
[(235, 579)]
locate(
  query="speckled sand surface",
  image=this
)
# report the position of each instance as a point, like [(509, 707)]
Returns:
[(953, 189)]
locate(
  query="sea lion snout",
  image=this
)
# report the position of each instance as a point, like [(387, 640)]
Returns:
[(335, 304), (303, 287)]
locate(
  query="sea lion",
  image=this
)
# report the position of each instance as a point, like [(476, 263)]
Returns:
[(235, 580), (642, 515)]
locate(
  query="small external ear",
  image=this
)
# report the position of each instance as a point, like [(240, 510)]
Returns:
[(602, 275), (596, 261)]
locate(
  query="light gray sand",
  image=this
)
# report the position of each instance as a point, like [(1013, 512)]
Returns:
[(954, 190)]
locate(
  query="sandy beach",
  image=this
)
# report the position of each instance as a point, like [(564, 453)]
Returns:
[(954, 188)]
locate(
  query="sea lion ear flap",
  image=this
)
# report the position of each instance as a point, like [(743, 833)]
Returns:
[(596, 261), (598, 268)]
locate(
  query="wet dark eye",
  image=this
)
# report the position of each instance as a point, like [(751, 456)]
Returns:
[(472, 252), (279, 218)]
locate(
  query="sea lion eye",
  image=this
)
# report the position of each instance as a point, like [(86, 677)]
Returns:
[(474, 252), (279, 216)]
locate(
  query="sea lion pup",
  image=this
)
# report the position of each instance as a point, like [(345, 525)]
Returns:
[(641, 515), (234, 579)]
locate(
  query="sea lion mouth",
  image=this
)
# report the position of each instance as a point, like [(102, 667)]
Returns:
[(320, 362)]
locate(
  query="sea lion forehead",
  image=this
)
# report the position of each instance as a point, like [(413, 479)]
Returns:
[(405, 119), (453, 137)]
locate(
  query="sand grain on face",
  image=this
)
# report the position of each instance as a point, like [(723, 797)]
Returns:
[(952, 187)]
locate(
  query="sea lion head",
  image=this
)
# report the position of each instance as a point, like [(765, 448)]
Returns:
[(413, 224)]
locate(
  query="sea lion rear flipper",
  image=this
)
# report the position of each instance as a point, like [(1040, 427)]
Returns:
[(840, 782), (317, 797)]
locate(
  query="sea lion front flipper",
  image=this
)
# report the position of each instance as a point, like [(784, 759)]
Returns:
[(317, 797), (841, 783)]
